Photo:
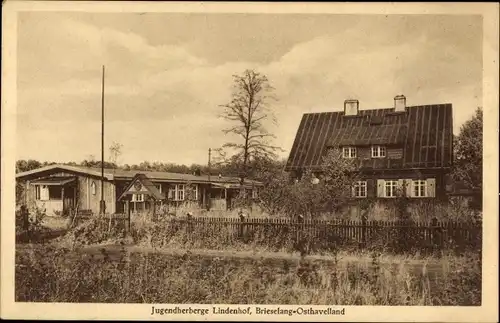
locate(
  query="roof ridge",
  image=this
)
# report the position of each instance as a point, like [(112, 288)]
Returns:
[(374, 109)]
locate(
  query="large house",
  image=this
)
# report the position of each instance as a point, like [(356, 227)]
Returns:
[(60, 188), (403, 146)]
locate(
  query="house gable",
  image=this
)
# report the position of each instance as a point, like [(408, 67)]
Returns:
[(61, 170), (140, 184)]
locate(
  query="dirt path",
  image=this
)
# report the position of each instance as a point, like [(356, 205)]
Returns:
[(114, 252)]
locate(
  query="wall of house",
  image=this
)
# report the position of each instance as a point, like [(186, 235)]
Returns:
[(90, 200), (439, 184), (51, 207), (395, 153)]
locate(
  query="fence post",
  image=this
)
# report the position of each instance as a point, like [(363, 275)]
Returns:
[(127, 207), (363, 230), (435, 233), (242, 225), (189, 222)]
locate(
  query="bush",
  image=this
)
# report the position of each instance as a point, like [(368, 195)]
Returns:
[(29, 223)]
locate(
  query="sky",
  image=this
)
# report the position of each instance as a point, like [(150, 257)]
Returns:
[(168, 73)]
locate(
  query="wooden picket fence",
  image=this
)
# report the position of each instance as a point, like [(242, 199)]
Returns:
[(322, 234), (325, 235)]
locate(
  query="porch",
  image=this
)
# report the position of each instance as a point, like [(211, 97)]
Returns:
[(56, 194)]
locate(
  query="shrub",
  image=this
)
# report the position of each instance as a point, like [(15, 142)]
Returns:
[(29, 223)]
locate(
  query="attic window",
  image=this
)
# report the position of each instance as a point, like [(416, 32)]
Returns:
[(351, 107), (349, 152), (378, 151)]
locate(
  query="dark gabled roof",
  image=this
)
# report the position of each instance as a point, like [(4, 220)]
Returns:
[(147, 187), (424, 131), (390, 134), (120, 174)]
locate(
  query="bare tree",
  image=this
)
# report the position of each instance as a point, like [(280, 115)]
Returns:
[(248, 111), (115, 151)]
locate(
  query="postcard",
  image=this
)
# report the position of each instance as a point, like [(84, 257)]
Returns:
[(250, 161)]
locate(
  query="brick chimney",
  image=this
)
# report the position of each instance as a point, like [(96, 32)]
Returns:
[(351, 107), (399, 103)]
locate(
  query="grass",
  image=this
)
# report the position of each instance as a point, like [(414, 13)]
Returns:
[(208, 266), (50, 274)]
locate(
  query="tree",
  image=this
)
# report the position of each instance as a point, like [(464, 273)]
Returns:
[(115, 151), (324, 190), (26, 165), (468, 150), (248, 111)]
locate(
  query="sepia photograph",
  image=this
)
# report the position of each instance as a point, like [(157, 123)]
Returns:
[(200, 162)]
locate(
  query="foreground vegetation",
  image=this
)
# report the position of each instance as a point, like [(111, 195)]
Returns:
[(51, 274), (72, 269)]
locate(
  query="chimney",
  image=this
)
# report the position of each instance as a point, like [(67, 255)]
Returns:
[(351, 107), (399, 103)]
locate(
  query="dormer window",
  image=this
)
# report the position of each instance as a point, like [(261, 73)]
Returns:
[(378, 152), (349, 152)]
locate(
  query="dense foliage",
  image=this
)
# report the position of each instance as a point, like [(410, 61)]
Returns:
[(468, 150)]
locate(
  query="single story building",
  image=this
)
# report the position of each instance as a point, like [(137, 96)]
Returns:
[(61, 188)]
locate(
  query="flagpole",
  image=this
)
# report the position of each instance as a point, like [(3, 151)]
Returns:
[(208, 195), (102, 205)]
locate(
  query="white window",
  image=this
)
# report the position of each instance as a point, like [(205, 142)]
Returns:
[(391, 187), (92, 188), (171, 192), (349, 152), (360, 189), (419, 188), (195, 192), (42, 192), (378, 151), (180, 192), (138, 198), (255, 193), (176, 192)]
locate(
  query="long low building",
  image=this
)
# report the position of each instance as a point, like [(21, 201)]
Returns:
[(61, 188)]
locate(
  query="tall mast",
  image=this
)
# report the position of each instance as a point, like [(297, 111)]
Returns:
[(209, 184), (102, 206)]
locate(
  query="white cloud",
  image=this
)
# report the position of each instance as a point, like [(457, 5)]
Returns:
[(163, 101)]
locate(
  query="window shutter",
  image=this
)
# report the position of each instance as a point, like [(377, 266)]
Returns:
[(44, 193), (380, 188), (431, 187), (409, 188)]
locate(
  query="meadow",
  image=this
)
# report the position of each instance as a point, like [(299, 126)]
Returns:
[(54, 274), (160, 263)]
